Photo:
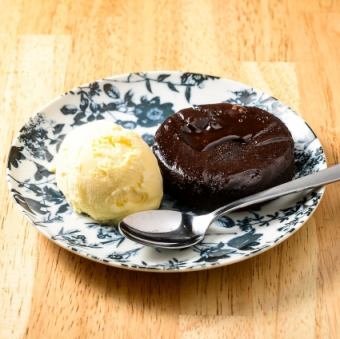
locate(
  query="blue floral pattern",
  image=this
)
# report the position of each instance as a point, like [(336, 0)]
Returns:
[(141, 101)]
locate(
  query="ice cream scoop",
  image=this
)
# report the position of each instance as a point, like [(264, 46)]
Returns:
[(108, 172)]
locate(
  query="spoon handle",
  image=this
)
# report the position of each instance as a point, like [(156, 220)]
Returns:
[(314, 180)]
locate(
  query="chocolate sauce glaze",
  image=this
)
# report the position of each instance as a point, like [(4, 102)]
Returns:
[(210, 155)]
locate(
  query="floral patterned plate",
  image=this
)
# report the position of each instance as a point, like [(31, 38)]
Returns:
[(141, 101)]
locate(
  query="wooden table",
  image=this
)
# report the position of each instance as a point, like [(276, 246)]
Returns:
[(289, 48)]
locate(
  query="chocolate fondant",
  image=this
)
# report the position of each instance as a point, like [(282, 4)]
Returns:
[(210, 155)]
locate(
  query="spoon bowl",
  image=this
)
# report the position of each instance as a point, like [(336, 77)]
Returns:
[(165, 228)]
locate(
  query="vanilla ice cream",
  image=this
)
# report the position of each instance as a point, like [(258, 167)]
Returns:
[(108, 172)]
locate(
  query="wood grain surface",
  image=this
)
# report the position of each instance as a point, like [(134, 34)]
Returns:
[(289, 48)]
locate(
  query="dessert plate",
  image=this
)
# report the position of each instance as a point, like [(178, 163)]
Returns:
[(141, 101)]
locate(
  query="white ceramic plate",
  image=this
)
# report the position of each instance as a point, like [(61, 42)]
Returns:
[(141, 101)]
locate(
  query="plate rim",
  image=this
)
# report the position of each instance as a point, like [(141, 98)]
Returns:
[(218, 264)]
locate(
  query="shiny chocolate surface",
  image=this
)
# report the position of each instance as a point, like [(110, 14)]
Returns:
[(212, 154)]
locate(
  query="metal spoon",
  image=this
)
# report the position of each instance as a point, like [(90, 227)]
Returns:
[(173, 229)]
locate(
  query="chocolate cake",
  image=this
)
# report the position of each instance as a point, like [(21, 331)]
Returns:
[(210, 155)]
